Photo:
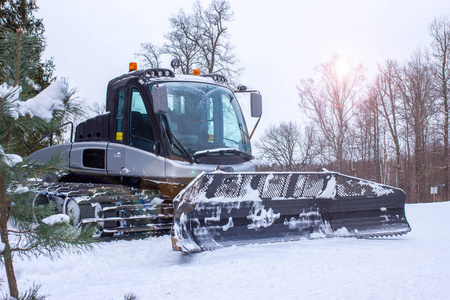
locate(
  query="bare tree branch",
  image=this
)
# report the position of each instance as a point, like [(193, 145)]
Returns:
[(331, 102), (149, 55), (285, 145)]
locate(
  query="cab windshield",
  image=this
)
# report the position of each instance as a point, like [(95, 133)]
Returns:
[(205, 116)]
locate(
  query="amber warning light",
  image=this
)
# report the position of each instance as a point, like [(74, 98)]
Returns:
[(196, 72), (132, 67)]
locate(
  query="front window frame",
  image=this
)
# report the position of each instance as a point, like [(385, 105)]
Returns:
[(241, 144)]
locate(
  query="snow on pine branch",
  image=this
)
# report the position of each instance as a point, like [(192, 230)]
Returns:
[(9, 159), (55, 219), (10, 92), (42, 105)]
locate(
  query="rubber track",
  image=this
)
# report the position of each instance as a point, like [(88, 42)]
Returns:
[(117, 211)]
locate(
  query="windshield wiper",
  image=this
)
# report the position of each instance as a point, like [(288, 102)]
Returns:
[(177, 143), (222, 151)]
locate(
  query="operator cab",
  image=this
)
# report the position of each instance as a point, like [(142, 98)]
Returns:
[(191, 118), (160, 125)]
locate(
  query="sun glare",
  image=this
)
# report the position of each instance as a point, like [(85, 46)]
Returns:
[(343, 67)]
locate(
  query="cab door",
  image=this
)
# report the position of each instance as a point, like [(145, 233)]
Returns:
[(116, 148), (142, 122), (142, 152)]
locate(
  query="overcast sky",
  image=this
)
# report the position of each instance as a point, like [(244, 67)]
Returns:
[(277, 42)]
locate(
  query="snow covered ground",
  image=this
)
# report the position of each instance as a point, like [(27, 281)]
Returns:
[(414, 266)]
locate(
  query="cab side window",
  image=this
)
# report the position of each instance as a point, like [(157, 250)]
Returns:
[(119, 114), (141, 131)]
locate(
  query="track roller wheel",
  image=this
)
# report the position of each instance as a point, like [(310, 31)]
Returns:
[(73, 211)]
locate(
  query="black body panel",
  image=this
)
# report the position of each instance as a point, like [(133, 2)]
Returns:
[(95, 129)]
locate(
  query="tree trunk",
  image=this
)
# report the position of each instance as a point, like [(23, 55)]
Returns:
[(419, 159), (376, 150), (398, 155), (7, 253), (446, 127)]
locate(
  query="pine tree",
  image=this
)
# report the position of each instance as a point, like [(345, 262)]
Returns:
[(17, 51), (33, 73), (27, 229), (15, 14)]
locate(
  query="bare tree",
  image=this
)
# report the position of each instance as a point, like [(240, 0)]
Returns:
[(149, 55), (198, 39), (216, 50), (330, 103), (285, 145), (416, 87), (439, 61), (179, 45), (96, 109), (389, 103), (364, 141), (202, 38)]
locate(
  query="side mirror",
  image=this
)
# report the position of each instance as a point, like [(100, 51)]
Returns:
[(256, 105), (160, 100)]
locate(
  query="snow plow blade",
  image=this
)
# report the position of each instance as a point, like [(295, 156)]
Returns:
[(222, 209)]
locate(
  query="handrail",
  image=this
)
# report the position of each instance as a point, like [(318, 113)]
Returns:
[(51, 135)]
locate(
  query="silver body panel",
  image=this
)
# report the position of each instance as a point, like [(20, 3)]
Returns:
[(76, 157), (45, 154), (115, 159), (143, 164), (123, 160), (181, 169)]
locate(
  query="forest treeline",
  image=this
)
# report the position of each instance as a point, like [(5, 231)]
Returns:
[(392, 129)]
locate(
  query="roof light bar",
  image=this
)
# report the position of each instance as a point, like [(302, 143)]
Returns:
[(216, 77), (159, 73)]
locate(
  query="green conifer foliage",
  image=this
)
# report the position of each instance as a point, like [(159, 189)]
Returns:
[(17, 64), (33, 74), (24, 229), (15, 14)]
